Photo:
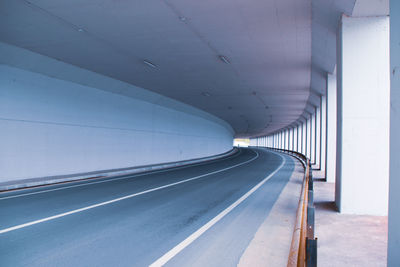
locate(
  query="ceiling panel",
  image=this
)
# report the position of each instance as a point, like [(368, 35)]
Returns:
[(266, 45)]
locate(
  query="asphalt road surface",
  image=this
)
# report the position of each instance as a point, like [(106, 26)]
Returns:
[(200, 215)]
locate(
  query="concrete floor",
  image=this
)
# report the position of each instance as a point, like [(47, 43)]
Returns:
[(347, 240)]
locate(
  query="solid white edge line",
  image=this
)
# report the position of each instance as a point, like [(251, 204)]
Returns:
[(120, 198), (178, 248), (109, 180)]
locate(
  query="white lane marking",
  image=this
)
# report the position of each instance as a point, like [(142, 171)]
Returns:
[(110, 180), (181, 246), (121, 198)]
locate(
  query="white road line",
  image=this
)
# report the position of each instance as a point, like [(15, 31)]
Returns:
[(181, 246), (109, 180), (120, 198)]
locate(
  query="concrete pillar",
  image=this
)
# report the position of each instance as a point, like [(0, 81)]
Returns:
[(394, 197), (304, 138), (274, 141), (308, 137), (287, 139), (298, 138), (278, 145), (313, 139), (295, 137), (318, 138), (283, 139), (323, 135), (279, 140), (363, 98), (331, 94), (291, 139)]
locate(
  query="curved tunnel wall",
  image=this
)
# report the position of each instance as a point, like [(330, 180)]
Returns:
[(51, 126)]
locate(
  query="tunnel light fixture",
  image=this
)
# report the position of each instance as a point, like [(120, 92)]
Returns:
[(206, 94), (224, 59), (148, 63)]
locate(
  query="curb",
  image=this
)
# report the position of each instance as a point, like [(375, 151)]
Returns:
[(104, 174)]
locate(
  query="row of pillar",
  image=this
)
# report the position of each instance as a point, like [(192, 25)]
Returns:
[(351, 134), (346, 137), (307, 136)]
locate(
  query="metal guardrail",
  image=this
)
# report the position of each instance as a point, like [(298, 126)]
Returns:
[(303, 249)]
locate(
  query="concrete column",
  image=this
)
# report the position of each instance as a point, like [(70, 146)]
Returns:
[(363, 98), (394, 197), (323, 136), (304, 138), (318, 138), (286, 139), (274, 141), (295, 136), (279, 140), (308, 137), (298, 138), (313, 137), (331, 128), (291, 139)]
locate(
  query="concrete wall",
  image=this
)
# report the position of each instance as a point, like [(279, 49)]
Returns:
[(52, 126)]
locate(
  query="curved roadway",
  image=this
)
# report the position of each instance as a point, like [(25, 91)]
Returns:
[(199, 215)]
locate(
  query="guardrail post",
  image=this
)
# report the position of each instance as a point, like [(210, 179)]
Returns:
[(311, 252), (310, 198), (310, 221), (310, 181)]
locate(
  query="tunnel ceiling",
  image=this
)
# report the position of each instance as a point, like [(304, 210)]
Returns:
[(248, 62)]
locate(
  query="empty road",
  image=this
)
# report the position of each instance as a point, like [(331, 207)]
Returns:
[(199, 215)]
